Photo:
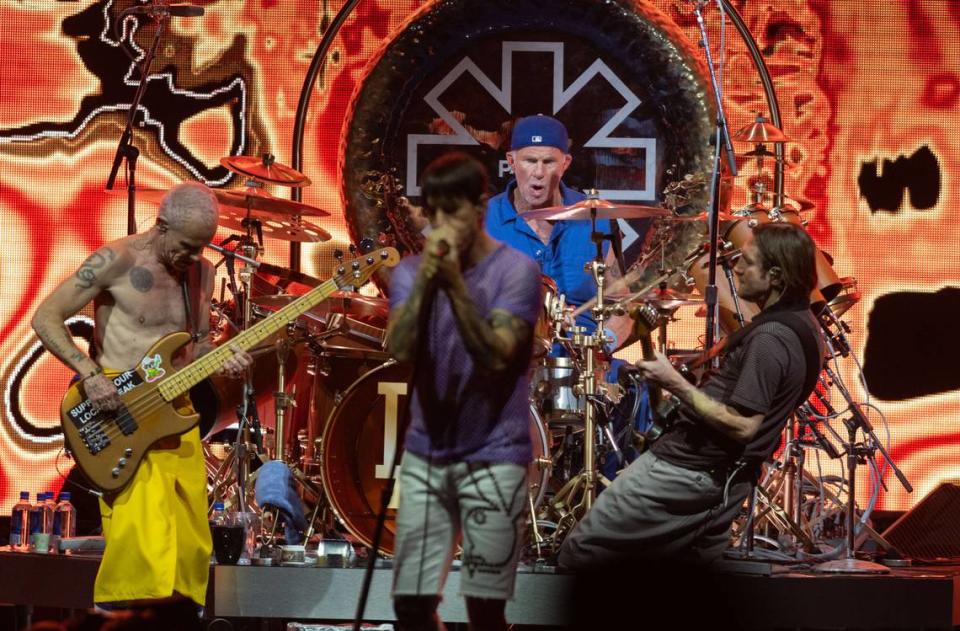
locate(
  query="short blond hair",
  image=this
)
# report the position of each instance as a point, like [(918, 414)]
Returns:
[(190, 205)]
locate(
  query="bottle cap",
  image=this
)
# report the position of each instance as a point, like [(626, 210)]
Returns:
[(218, 506), (24, 495), (64, 496)]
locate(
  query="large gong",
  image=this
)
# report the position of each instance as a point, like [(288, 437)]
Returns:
[(623, 78)]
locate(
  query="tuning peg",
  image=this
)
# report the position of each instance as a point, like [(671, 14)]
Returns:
[(353, 250), (366, 245), (338, 254)]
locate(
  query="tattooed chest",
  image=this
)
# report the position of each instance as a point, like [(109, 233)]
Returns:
[(153, 299)]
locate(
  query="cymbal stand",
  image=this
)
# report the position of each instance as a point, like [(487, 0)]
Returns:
[(281, 400)]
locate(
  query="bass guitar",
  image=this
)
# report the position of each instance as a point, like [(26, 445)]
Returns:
[(109, 446)]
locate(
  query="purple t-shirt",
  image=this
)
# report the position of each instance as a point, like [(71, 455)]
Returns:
[(461, 411)]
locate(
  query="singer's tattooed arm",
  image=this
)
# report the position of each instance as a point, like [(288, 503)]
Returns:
[(404, 322), (494, 342)]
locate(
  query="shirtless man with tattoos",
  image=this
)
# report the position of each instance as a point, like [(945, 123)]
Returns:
[(144, 287)]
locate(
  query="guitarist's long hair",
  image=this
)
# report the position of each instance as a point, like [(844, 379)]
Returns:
[(790, 248)]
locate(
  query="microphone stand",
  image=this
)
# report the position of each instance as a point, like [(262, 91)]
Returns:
[(403, 418), (126, 148), (713, 222), (856, 453)]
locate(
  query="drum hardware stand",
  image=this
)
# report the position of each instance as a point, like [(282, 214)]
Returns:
[(282, 401)]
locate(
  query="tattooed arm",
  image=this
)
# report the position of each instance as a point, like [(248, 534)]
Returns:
[(493, 342), (404, 319), (94, 276)]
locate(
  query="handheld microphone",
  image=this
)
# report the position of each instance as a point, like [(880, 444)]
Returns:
[(167, 10)]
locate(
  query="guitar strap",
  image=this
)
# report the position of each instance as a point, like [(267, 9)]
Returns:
[(791, 319), (190, 286)]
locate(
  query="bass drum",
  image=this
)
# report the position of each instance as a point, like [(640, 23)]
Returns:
[(358, 441)]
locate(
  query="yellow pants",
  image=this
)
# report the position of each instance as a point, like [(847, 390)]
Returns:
[(157, 535)]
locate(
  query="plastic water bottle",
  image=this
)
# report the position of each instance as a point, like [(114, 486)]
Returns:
[(218, 516), (217, 520), (65, 518), (20, 523), (41, 523), (50, 510)]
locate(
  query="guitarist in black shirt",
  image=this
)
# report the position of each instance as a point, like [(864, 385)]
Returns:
[(678, 500)]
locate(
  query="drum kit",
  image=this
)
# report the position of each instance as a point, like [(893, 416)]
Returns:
[(336, 392)]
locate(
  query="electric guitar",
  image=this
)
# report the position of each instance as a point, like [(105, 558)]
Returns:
[(109, 446), (646, 318)]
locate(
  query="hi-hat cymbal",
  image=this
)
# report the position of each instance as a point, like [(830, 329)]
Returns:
[(272, 226), (266, 169), (258, 199), (761, 130), (585, 209)]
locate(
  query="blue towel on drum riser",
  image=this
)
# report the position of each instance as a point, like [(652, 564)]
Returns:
[(275, 487)]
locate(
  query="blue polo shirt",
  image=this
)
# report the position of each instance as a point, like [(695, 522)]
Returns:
[(563, 258)]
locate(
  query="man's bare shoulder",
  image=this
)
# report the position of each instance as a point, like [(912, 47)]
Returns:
[(107, 263)]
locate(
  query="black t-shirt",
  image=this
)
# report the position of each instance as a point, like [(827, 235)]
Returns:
[(764, 374)]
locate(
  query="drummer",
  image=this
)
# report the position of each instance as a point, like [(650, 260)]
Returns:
[(539, 155)]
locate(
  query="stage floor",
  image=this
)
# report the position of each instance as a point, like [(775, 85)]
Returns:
[(774, 596)]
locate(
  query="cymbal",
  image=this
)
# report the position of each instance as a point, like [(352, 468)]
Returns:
[(761, 130), (749, 209), (668, 300), (363, 308), (266, 169), (701, 217), (258, 199), (282, 277), (273, 226), (585, 208)]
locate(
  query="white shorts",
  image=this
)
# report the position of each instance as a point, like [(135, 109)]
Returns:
[(482, 503)]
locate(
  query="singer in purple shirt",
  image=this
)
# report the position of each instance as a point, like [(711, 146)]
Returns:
[(463, 313)]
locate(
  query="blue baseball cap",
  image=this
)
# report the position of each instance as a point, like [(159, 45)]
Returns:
[(539, 131)]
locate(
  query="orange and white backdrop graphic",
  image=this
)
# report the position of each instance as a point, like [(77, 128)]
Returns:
[(868, 93)]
